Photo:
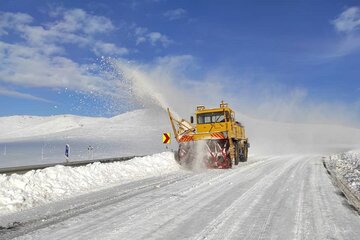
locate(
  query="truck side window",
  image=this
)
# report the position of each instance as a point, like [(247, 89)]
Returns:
[(227, 116)]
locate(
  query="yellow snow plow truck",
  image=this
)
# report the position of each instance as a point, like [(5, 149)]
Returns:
[(216, 138)]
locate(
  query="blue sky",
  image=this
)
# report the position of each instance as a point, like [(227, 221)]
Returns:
[(51, 52)]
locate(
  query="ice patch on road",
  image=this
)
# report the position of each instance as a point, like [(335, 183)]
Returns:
[(19, 192)]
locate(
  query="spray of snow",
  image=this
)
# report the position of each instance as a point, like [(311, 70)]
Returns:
[(279, 111), (140, 85), (200, 156), (18, 192)]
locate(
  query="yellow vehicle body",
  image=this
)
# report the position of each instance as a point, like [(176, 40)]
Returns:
[(224, 124), (224, 137)]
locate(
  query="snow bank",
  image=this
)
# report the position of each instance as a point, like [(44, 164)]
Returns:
[(347, 167), (19, 192)]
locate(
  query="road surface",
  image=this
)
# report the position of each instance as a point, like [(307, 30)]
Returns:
[(287, 197)]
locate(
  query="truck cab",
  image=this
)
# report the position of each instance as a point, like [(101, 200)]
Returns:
[(220, 120)]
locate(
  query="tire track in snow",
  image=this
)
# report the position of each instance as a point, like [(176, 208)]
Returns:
[(235, 210), (282, 194), (203, 193), (35, 224), (131, 208), (299, 213), (157, 205), (275, 199)]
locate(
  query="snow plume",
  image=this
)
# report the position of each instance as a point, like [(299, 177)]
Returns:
[(278, 118), (155, 85), (196, 155), (169, 82), (164, 83), (140, 85), (200, 156)]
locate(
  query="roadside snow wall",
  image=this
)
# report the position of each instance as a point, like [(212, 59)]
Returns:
[(345, 169), (19, 192)]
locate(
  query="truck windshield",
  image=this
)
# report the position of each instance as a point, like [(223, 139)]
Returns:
[(211, 117)]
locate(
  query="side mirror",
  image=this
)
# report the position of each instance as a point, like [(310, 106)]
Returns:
[(192, 119)]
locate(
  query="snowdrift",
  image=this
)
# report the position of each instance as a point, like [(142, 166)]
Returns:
[(347, 166), (345, 171), (19, 192)]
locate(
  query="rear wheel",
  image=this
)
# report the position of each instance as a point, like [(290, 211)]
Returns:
[(247, 153), (244, 154), (237, 153)]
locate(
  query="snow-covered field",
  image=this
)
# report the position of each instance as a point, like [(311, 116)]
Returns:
[(28, 140), (19, 192)]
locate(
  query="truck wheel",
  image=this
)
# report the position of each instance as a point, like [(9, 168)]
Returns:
[(237, 154), (244, 155), (247, 154)]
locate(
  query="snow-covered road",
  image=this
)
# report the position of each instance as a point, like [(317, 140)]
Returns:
[(287, 197)]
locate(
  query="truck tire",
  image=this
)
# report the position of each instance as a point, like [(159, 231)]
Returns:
[(247, 153), (244, 155), (237, 153)]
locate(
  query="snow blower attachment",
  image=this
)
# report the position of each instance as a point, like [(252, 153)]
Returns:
[(216, 139)]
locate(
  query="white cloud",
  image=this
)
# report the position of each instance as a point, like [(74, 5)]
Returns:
[(40, 58), (154, 38), (347, 24), (27, 66), (139, 31), (13, 21), (109, 49), (348, 45), (140, 39), (39, 35), (175, 14), (348, 21), (73, 27), (79, 20), (13, 93)]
